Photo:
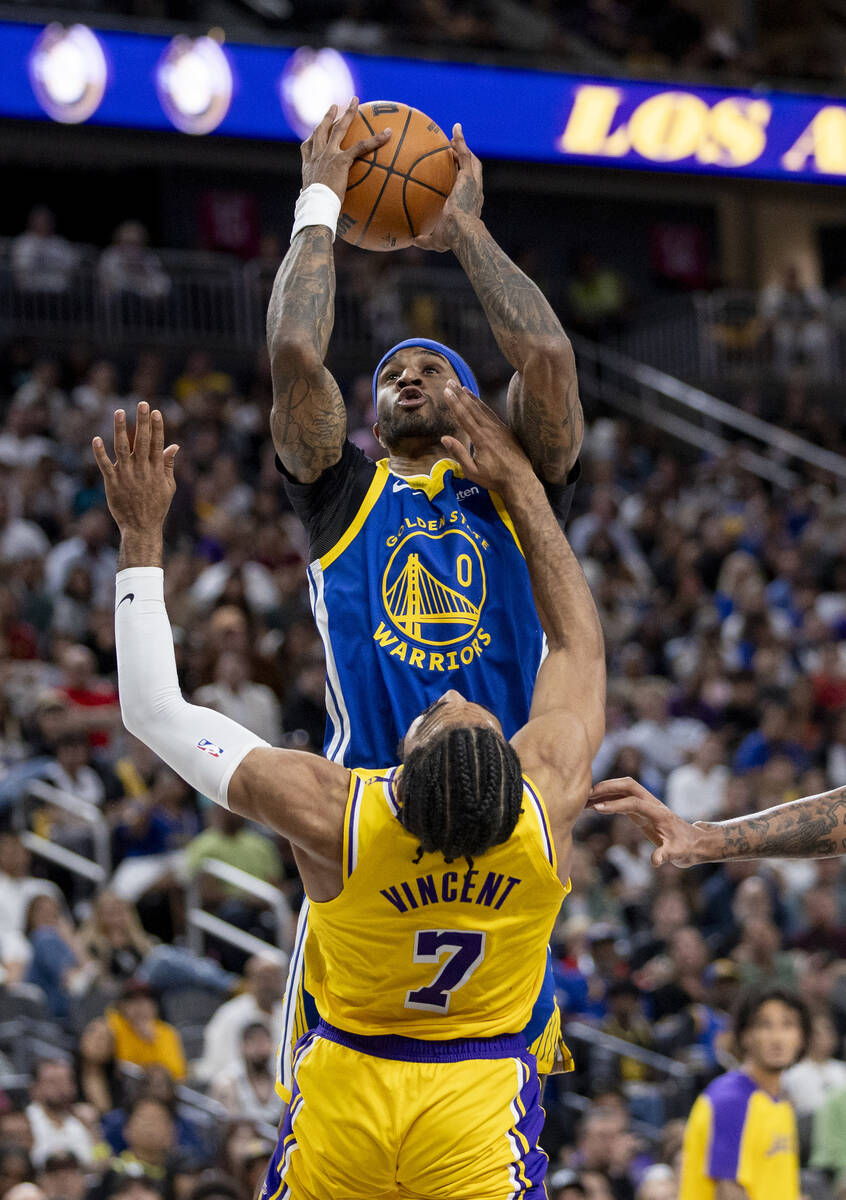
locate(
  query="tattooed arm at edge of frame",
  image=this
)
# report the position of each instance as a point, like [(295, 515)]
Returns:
[(813, 827)]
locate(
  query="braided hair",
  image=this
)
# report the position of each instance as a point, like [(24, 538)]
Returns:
[(461, 792)]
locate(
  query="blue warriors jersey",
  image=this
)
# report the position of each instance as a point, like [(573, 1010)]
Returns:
[(417, 585)]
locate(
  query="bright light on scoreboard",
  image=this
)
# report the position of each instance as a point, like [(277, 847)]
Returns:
[(311, 82), (194, 84), (68, 72)]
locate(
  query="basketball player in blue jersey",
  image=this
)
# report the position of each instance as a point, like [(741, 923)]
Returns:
[(434, 884), (417, 579)]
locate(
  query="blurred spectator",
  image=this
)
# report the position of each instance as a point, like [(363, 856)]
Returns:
[(662, 739), (250, 704), (96, 707), (565, 1184), (41, 260), (19, 539), (261, 1002), (822, 928), (114, 938), (98, 396), (598, 297), (91, 547), (59, 965), (127, 267), (771, 738), (15, 1129), (15, 1168), (99, 1080), (156, 820), (306, 706), (140, 1037), (127, 1187), (156, 1083), (150, 1143), (658, 1183), (199, 377), (794, 312), (231, 840), (626, 1020), (821, 1073), (248, 1087), (70, 770), (759, 956), (17, 887), (62, 1177), (604, 1144), (683, 974), (828, 1145), (55, 1129), (696, 790)]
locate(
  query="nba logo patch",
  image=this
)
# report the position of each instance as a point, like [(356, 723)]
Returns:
[(209, 747)]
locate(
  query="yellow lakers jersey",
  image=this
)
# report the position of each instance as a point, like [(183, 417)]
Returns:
[(738, 1131), (433, 950)]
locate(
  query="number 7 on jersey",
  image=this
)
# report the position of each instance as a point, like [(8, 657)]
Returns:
[(465, 948)]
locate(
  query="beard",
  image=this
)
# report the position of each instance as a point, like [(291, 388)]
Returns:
[(430, 423)]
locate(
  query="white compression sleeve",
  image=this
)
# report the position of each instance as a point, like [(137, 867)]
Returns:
[(201, 745)]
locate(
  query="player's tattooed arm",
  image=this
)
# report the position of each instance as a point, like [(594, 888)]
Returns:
[(308, 420), (814, 827), (544, 409)]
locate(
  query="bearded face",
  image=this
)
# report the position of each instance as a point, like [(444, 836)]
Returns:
[(410, 403)]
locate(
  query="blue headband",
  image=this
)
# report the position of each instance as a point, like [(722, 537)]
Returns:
[(465, 375)]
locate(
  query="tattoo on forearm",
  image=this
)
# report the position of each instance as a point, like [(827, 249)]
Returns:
[(309, 418), (519, 316), (814, 827)]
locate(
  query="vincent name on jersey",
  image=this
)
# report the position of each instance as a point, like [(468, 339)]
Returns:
[(450, 888)]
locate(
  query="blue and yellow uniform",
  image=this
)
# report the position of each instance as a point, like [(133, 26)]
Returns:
[(417, 1080), (417, 585), (738, 1131)]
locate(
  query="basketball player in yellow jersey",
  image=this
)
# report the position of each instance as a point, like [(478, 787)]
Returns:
[(740, 1142), (435, 883)]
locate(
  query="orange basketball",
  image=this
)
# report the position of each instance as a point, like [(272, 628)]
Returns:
[(396, 193)]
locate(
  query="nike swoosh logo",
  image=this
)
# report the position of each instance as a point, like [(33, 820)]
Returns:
[(399, 486), (130, 596)]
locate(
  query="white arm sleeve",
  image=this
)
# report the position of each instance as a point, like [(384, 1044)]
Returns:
[(201, 745)]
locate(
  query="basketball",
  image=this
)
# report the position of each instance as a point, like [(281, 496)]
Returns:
[(395, 193)]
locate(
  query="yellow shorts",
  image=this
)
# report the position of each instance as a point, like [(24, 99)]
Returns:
[(393, 1118)]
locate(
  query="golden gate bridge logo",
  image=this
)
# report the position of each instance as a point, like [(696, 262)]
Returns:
[(440, 603)]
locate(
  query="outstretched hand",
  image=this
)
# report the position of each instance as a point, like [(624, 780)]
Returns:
[(675, 840), (466, 197), (323, 159), (139, 483), (495, 461)]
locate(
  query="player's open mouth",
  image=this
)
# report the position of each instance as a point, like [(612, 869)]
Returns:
[(411, 397)]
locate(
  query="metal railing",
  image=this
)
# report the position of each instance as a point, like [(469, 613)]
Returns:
[(674, 1087), (98, 869), (201, 922), (697, 418), (727, 336)]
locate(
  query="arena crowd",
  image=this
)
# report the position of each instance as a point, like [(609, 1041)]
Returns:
[(147, 1070)]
